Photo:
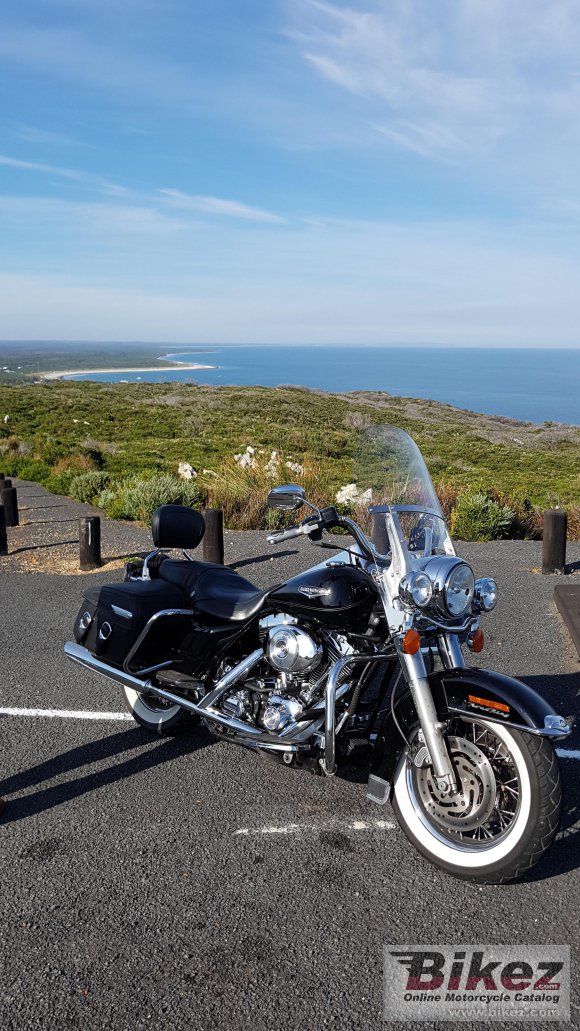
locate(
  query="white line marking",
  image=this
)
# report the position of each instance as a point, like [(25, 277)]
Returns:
[(568, 753), (322, 825), (67, 714)]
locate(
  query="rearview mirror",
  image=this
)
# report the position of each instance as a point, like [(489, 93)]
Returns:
[(287, 498)]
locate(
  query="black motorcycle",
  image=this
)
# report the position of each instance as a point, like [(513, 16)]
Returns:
[(358, 659)]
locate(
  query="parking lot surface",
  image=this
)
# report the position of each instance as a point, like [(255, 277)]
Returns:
[(184, 883)]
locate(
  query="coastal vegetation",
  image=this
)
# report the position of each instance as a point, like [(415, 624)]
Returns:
[(119, 445)]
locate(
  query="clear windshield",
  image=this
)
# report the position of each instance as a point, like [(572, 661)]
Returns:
[(390, 470)]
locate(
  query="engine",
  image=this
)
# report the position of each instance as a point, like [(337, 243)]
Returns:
[(292, 675)]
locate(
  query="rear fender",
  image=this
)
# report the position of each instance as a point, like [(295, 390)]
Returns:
[(454, 692)]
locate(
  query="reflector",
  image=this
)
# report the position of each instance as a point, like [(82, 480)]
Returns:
[(411, 642)]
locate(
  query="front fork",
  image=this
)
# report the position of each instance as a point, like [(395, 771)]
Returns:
[(413, 667)]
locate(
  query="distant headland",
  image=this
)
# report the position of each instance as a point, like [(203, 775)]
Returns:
[(80, 373)]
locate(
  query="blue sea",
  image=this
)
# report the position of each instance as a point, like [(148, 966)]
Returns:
[(532, 385)]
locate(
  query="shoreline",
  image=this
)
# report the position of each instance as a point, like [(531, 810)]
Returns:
[(65, 373)]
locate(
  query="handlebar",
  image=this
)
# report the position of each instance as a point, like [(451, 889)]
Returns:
[(324, 520)]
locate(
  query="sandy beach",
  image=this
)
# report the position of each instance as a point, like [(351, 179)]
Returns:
[(64, 373)]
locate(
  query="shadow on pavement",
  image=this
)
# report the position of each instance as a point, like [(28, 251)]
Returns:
[(145, 759), (40, 508), (37, 547), (261, 558)]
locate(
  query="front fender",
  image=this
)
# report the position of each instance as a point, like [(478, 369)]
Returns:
[(453, 691), (501, 699)]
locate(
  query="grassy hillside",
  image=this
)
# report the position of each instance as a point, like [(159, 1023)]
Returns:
[(62, 429)]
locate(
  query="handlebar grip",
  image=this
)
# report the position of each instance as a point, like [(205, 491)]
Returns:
[(284, 535)]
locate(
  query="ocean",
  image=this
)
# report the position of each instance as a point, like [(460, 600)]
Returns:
[(532, 385)]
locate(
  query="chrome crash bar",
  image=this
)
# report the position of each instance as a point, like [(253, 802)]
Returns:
[(328, 762)]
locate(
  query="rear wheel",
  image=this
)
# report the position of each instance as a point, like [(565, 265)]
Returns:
[(157, 715), (505, 816)]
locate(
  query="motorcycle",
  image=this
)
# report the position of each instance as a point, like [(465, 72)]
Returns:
[(360, 658)]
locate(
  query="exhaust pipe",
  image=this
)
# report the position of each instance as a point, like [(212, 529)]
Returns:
[(77, 653)]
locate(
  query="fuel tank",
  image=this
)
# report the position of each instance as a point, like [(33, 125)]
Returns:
[(338, 595)]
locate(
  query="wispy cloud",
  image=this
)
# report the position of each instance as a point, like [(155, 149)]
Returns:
[(43, 137), (218, 206), (38, 166), (451, 79), (72, 174)]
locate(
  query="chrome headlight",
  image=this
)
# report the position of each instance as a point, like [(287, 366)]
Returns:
[(416, 589), (452, 586), (485, 594), (458, 590)]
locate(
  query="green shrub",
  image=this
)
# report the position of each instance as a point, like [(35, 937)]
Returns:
[(30, 469), (88, 486), (476, 517), (135, 498), (59, 482), (50, 449)]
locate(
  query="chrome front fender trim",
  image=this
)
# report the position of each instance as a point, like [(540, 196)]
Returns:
[(555, 727)]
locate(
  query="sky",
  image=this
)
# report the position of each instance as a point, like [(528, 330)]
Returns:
[(291, 171)]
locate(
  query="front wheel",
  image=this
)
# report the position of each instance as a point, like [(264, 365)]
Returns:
[(157, 715), (508, 810)]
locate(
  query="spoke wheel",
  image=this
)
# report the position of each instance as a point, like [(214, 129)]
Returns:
[(488, 801), (507, 810)]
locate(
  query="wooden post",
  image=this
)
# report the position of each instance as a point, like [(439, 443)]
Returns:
[(2, 476), (10, 503), (379, 535), (90, 542), (213, 538), (3, 534), (554, 541), (5, 484)]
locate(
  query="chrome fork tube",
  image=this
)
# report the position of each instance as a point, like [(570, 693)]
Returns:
[(416, 675), (450, 653)]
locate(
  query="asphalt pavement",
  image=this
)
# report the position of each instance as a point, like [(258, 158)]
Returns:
[(184, 883)]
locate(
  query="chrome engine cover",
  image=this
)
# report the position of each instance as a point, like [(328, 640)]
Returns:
[(291, 650), (279, 712)]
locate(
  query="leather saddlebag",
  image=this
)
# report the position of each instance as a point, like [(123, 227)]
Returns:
[(111, 618)]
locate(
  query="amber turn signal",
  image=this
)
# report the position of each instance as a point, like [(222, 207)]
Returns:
[(476, 641), (488, 704), (411, 642)]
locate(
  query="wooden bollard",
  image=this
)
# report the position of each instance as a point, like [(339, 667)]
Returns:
[(213, 538), (379, 534), (554, 541), (10, 502), (90, 542), (3, 534)]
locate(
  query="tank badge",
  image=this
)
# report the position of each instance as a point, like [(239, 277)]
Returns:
[(315, 592)]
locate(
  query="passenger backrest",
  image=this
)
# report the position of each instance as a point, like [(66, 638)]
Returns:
[(175, 526)]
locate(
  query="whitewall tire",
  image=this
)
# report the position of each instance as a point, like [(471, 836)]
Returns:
[(489, 851), (156, 715)]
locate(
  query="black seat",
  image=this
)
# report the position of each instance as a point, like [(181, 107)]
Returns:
[(214, 590)]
